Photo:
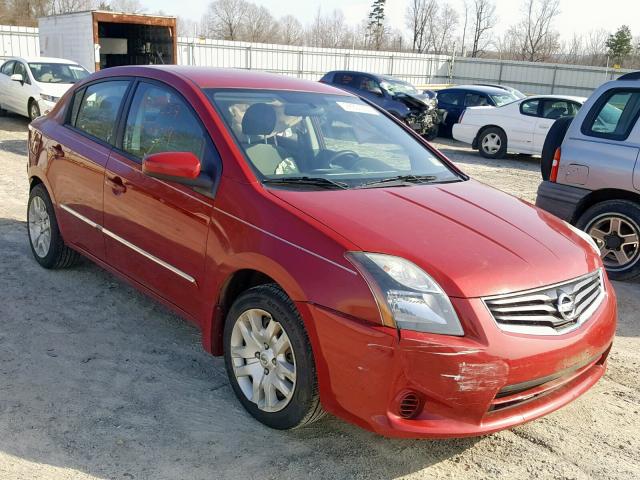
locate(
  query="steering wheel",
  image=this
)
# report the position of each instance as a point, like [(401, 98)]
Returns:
[(342, 154)]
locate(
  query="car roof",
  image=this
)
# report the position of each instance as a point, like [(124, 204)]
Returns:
[(477, 89), (559, 97), (209, 77), (43, 60)]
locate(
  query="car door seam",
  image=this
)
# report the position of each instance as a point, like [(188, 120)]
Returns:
[(273, 235)]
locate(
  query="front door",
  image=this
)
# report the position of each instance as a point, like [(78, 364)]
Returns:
[(155, 230)]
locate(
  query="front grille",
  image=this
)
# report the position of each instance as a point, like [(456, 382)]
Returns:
[(551, 310)]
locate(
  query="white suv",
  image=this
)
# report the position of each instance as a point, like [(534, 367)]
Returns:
[(32, 86), (594, 180)]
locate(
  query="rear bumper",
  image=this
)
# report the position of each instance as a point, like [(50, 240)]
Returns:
[(474, 385), (563, 201), (464, 133)]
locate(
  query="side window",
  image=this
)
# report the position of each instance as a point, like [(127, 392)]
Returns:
[(475, 100), (451, 98), (7, 68), (159, 120), (75, 106), (98, 109), (530, 108), (20, 69), (344, 79), (614, 115), (370, 85), (554, 109)]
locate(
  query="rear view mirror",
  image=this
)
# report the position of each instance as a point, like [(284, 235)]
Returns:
[(17, 77), (179, 167)]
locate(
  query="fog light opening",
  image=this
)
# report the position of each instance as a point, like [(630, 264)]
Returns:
[(410, 405)]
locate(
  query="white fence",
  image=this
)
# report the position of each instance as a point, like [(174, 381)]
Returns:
[(18, 41), (312, 63)]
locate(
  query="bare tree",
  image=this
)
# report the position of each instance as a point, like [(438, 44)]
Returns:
[(329, 31), (258, 25), (484, 19), (416, 19), (443, 29), (128, 6), (539, 38), (224, 19), (291, 31)]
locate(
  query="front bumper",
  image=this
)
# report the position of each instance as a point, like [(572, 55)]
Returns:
[(561, 200), (487, 381), (45, 106)]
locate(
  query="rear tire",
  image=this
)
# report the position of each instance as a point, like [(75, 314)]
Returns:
[(492, 143), (46, 242), (554, 139), (615, 226), (269, 359)]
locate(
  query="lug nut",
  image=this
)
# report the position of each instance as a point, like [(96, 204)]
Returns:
[(266, 371), (273, 361), (266, 347), (257, 354)]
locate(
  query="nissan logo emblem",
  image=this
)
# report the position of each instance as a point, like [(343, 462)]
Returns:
[(566, 306)]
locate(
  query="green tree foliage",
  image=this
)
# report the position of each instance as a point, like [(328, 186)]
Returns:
[(619, 44)]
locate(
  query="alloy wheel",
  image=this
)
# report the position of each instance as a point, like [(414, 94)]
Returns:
[(618, 238), (263, 360), (39, 227), (491, 143)]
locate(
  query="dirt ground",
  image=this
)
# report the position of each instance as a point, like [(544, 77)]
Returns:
[(99, 382)]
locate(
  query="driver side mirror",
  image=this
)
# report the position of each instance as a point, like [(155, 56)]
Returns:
[(17, 77), (179, 167)]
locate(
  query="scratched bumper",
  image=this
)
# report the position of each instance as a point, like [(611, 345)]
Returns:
[(483, 382)]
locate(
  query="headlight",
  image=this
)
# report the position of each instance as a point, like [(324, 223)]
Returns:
[(49, 98), (586, 237), (407, 296)]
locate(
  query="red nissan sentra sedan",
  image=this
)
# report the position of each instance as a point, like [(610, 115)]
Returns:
[(335, 259)]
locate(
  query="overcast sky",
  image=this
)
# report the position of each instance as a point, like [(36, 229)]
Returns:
[(578, 16)]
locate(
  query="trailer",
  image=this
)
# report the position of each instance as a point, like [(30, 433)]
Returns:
[(100, 39)]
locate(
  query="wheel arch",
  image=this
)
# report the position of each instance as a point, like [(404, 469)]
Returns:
[(234, 284), (491, 125), (599, 196)]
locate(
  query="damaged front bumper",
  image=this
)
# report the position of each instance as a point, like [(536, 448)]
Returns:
[(487, 381)]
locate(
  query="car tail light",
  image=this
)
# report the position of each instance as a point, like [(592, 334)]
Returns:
[(409, 405), (555, 165)]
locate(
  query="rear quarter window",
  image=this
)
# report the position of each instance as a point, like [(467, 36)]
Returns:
[(451, 98), (614, 115)]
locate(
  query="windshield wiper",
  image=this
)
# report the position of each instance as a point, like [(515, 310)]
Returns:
[(400, 180), (310, 181)]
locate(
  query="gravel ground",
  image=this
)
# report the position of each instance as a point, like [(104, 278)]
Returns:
[(99, 382)]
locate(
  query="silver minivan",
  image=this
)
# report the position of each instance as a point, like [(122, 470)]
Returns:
[(594, 181)]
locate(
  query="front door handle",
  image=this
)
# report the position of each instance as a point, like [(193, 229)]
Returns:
[(117, 185)]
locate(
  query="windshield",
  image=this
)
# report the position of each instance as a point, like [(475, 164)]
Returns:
[(398, 86), (504, 98), (57, 72), (328, 137)]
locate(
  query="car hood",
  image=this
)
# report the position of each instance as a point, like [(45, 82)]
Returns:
[(474, 240), (416, 100), (54, 89)]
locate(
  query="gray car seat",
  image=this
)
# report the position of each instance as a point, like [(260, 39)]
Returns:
[(258, 123)]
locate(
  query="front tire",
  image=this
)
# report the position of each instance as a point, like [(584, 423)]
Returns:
[(46, 242), (269, 359), (34, 109), (615, 227), (492, 143)]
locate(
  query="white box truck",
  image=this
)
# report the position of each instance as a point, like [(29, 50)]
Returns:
[(100, 39)]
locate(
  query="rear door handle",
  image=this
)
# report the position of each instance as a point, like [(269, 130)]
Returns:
[(117, 185)]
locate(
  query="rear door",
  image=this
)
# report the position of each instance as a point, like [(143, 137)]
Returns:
[(156, 230), (81, 149)]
